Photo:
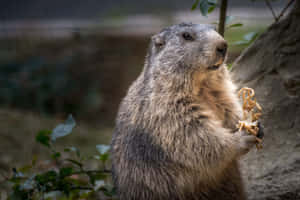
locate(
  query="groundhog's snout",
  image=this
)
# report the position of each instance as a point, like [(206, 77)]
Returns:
[(221, 48)]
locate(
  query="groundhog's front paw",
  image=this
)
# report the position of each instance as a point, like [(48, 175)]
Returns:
[(246, 142), (261, 132)]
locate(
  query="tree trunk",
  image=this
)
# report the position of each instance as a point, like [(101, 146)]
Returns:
[(222, 17), (271, 65)]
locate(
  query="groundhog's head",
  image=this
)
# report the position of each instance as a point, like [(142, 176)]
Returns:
[(185, 48)]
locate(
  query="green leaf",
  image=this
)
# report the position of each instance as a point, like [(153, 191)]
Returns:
[(98, 176), (43, 137), (49, 176), (108, 190), (73, 149), (211, 8), (104, 157), (102, 149), (229, 19), (63, 129), (96, 157), (212, 5), (241, 42), (17, 174), (19, 194), (235, 25), (195, 4), (28, 184), (98, 184), (56, 155), (65, 171), (213, 2), (204, 6), (17, 177), (250, 36), (247, 39)]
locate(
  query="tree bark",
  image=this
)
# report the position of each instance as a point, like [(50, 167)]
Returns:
[(271, 65)]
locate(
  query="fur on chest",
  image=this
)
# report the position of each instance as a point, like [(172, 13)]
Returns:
[(215, 92)]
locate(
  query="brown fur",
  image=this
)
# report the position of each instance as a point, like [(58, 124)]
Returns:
[(174, 131), (215, 90)]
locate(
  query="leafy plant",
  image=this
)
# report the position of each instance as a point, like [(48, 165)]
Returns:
[(67, 176), (39, 83), (225, 22), (207, 6)]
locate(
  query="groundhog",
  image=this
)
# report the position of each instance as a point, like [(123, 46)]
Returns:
[(175, 136)]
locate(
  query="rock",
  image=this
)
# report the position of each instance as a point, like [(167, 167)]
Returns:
[(271, 67)]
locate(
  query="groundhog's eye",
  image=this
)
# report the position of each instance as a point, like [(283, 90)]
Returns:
[(187, 36)]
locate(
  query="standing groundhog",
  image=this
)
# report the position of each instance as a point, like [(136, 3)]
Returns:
[(175, 136)]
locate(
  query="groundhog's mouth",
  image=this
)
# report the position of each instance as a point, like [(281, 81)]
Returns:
[(217, 65), (214, 67)]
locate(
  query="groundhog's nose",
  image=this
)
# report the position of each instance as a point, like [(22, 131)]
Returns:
[(221, 48)]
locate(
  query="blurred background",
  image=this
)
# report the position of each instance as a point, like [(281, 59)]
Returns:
[(61, 56)]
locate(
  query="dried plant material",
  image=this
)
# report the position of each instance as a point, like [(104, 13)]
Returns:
[(251, 113)]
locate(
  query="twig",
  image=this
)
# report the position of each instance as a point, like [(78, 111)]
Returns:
[(271, 8), (285, 8), (222, 17), (91, 171), (81, 188)]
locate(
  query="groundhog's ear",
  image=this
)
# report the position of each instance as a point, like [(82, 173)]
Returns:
[(158, 40)]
